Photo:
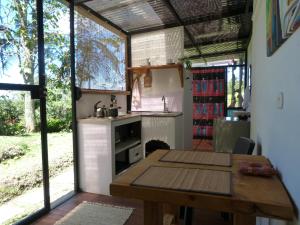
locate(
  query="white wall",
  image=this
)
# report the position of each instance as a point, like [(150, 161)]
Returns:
[(164, 83), (276, 131), (158, 46), (85, 105)]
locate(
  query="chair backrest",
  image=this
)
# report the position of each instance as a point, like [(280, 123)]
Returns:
[(244, 146)]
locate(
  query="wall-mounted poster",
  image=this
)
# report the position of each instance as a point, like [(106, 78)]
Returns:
[(283, 18)]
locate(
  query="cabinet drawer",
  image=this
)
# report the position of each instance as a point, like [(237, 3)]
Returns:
[(135, 153)]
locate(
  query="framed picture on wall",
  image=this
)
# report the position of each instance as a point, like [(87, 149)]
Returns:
[(283, 19)]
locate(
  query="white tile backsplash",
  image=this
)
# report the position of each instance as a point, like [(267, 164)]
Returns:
[(164, 83), (85, 105)]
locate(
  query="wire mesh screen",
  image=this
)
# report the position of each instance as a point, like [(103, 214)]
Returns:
[(100, 56), (206, 22), (214, 49), (160, 47), (191, 8), (130, 15)]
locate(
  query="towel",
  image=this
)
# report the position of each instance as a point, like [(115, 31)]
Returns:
[(136, 94)]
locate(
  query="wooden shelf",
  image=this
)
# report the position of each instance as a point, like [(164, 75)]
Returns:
[(155, 67), (111, 92), (145, 69), (123, 145)]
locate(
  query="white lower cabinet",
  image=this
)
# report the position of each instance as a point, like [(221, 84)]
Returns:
[(106, 148)]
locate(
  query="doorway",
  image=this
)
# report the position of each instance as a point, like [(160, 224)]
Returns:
[(209, 103), (218, 91)]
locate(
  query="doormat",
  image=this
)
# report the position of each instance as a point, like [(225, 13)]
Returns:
[(89, 213)]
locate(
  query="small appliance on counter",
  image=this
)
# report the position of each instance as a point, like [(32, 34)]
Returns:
[(242, 115), (102, 112), (113, 109)]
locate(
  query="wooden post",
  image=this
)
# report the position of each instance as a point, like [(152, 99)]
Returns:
[(243, 219), (172, 210), (153, 214)]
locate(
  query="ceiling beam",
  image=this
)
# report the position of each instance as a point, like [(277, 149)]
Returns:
[(156, 28), (241, 39), (209, 55), (169, 5), (77, 2)]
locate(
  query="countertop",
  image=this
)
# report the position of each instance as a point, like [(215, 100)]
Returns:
[(157, 114), (130, 115)]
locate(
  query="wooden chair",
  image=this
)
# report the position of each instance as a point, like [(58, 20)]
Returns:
[(242, 146)]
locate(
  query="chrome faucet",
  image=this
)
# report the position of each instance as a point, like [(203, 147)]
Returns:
[(165, 105), (96, 107)]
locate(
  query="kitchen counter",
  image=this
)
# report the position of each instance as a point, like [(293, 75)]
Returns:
[(130, 115), (157, 114), (108, 119)]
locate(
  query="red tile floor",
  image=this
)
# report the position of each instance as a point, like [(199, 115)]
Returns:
[(202, 145)]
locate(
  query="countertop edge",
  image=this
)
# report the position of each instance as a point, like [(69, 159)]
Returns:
[(130, 115)]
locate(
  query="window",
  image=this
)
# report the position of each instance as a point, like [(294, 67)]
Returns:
[(100, 55), (235, 86)]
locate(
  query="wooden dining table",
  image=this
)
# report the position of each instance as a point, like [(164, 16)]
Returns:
[(251, 196)]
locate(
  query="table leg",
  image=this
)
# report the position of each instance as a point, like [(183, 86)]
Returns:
[(243, 219), (171, 210), (153, 213)]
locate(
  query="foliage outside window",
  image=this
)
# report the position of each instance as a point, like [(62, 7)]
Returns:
[(100, 56), (19, 51), (235, 86)]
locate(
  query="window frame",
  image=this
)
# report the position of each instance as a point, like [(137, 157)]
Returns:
[(243, 83)]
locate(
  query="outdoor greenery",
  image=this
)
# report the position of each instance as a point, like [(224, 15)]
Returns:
[(59, 110), (17, 175), (19, 45), (13, 151), (100, 60), (235, 87), (59, 105), (11, 112)]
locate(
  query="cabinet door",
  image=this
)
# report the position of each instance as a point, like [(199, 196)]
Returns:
[(95, 157)]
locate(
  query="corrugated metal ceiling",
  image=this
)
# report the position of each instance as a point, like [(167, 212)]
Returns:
[(215, 26)]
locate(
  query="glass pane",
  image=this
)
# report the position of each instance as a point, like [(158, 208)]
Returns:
[(59, 105), (18, 42), (100, 56), (235, 86), (21, 180)]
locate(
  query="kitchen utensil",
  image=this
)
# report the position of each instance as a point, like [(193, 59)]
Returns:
[(102, 112)]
